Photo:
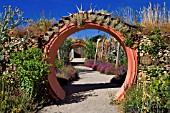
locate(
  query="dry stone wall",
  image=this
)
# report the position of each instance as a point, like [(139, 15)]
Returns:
[(160, 60)]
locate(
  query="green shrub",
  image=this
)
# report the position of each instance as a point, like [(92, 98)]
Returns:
[(59, 64), (65, 50), (12, 99), (32, 69), (156, 93), (149, 96), (133, 99), (90, 50), (23, 88)]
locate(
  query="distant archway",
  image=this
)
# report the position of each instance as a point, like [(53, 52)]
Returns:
[(56, 35), (76, 44)]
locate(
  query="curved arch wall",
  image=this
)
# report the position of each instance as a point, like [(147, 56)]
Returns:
[(57, 39)]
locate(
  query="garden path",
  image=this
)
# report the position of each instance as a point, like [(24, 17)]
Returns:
[(90, 94)]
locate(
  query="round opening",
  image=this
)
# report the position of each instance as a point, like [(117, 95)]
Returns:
[(57, 40)]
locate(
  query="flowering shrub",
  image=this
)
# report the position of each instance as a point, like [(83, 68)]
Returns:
[(117, 72), (103, 67), (94, 67), (89, 63), (99, 65), (66, 74), (109, 70), (70, 72)]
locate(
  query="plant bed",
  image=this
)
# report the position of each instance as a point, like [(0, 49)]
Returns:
[(89, 63), (66, 75)]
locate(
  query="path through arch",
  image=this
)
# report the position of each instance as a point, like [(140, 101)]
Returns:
[(92, 93), (69, 25)]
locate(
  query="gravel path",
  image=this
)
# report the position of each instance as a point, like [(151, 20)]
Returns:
[(90, 94)]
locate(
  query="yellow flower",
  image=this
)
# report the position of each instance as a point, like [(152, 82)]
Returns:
[(135, 46)]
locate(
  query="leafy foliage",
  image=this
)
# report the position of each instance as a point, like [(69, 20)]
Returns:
[(151, 93), (25, 84), (157, 43), (90, 50), (59, 64), (94, 39), (12, 99), (31, 68), (65, 49), (158, 88), (132, 39), (133, 100)]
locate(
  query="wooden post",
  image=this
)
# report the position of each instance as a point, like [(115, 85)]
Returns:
[(72, 53), (102, 48), (109, 48), (117, 58), (58, 54), (95, 57)]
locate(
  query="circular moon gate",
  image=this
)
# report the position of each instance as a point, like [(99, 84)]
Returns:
[(57, 39)]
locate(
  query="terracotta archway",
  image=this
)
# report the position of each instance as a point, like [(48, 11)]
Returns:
[(77, 44), (55, 40)]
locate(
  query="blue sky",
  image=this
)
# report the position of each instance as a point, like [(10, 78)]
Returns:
[(57, 8)]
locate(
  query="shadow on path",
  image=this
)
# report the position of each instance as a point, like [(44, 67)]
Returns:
[(75, 88), (79, 92), (76, 93)]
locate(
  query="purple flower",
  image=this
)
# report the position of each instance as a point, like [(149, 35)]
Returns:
[(89, 63), (109, 70), (94, 67)]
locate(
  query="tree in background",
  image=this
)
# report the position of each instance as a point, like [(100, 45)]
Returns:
[(65, 50), (90, 49)]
